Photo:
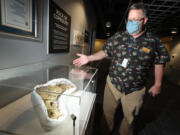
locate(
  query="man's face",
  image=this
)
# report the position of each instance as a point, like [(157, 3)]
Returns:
[(137, 15)]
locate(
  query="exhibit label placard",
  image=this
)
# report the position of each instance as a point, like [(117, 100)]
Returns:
[(59, 29)]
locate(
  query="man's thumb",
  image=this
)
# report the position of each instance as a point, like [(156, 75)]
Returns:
[(78, 54)]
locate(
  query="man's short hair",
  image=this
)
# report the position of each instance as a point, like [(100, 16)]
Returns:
[(140, 6)]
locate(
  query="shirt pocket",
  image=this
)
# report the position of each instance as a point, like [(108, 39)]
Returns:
[(145, 56)]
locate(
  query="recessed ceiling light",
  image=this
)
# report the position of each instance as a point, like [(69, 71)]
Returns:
[(173, 31), (108, 24), (108, 34)]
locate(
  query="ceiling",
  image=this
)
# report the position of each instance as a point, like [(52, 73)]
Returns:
[(164, 16)]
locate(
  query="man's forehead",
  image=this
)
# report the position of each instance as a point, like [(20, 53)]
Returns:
[(135, 12)]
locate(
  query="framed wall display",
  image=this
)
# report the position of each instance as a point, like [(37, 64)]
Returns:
[(18, 17), (59, 29), (78, 38)]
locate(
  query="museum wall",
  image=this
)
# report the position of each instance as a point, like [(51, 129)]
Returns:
[(174, 53), (16, 52), (99, 43), (173, 67)]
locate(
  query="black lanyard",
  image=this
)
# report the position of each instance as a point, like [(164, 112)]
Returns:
[(130, 47)]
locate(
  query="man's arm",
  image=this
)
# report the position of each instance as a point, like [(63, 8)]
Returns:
[(84, 59), (156, 88)]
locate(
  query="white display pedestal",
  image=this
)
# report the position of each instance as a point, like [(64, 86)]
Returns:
[(19, 117)]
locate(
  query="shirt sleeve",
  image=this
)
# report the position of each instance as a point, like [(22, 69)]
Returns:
[(108, 47), (161, 54)]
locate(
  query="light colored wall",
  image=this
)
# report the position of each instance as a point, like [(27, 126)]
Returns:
[(175, 53), (99, 43), (15, 52), (173, 67)]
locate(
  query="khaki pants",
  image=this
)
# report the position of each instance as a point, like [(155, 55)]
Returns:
[(131, 104)]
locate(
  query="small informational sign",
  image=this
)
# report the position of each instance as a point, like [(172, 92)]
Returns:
[(59, 29)]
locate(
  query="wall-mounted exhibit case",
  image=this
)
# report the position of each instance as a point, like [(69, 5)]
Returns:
[(17, 113)]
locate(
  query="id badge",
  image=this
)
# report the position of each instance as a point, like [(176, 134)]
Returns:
[(124, 63)]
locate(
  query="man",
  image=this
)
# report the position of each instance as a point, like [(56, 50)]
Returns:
[(132, 53)]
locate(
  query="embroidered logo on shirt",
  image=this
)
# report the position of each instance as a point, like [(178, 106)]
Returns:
[(147, 50)]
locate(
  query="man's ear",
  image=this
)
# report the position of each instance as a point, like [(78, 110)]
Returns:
[(145, 20)]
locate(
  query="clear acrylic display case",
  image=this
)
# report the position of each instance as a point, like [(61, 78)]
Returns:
[(17, 114)]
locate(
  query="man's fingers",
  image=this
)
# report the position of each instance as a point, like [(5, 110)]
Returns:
[(77, 62), (153, 94), (149, 91), (78, 54)]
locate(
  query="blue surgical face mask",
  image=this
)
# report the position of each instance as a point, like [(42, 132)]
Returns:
[(132, 26)]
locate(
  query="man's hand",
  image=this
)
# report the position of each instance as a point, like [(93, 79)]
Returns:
[(82, 60), (155, 90)]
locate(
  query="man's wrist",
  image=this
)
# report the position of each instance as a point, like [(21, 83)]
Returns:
[(89, 58), (158, 84)]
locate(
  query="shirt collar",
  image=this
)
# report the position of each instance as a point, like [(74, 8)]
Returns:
[(140, 37)]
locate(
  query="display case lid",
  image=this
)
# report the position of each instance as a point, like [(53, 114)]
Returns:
[(17, 82)]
